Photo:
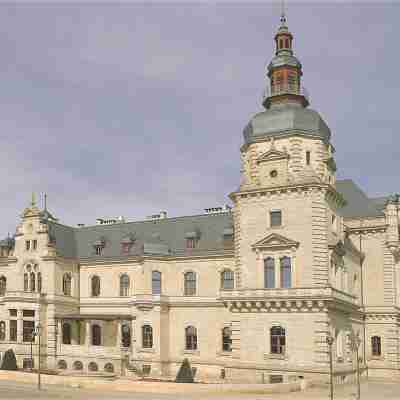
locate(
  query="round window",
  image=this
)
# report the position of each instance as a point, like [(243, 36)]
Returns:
[(273, 173)]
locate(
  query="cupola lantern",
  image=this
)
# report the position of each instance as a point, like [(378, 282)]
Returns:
[(284, 72)]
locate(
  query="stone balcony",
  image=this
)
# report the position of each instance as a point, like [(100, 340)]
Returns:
[(20, 295), (288, 299)]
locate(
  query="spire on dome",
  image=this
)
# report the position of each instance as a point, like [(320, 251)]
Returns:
[(284, 71)]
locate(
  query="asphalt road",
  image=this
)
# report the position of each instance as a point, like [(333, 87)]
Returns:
[(369, 391)]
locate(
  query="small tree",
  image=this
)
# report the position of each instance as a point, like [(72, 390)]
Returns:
[(185, 373), (9, 361)]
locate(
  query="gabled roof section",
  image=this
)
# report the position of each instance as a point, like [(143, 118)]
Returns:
[(357, 202), (272, 155), (165, 236), (275, 241)]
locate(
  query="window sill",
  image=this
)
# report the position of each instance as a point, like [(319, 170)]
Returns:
[(272, 356), (224, 353), (376, 358), (146, 350), (192, 352)]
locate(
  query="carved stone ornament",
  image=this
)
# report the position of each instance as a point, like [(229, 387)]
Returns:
[(275, 241)]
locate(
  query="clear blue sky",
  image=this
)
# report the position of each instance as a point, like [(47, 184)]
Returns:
[(134, 108)]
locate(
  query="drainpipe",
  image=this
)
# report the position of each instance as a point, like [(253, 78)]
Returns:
[(362, 302)]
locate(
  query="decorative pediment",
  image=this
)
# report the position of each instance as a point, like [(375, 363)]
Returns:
[(272, 155), (275, 241)]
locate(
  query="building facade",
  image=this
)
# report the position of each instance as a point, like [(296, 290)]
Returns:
[(248, 294)]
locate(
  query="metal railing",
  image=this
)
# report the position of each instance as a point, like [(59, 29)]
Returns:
[(278, 90)]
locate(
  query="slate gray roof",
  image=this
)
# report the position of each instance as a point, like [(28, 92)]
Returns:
[(162, 237), (283, 119), (358, 203)]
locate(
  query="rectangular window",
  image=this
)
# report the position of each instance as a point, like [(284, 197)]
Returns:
[(34, 244), (27, 245), (276, 218), (99, 250), (269, 273), (27, 330), (308, 157), (286, 272), (28, 313), (13, 330), (13, 312), (376, 346)]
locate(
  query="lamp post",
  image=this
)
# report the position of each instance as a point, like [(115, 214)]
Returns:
[(38, 334), (355, 344), (33, 334), (329, 341)]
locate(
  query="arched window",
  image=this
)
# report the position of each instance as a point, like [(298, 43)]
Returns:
[(33, 281), (269, 273), (376, 346), (286, 272), (93, 367), (62, 364), (66, 333), (156, 282), (227, 279), (95, 286), (67, 280), (2, 330), (227, 339), (96, 335), (287, 43), (26, 282), (190, 283), (39, 282), (191, 338), (278, 340), (124, 285), (126, 335), (147, 336), (109, 368), (78, 366), (3, 285)]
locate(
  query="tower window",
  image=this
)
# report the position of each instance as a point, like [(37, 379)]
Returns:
[(376, 346), (287, 43), (275, 218), (308, 157), (28, 245)]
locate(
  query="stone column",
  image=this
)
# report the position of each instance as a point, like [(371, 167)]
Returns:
[(7, 321), (87, 333), (19, 326), (74, 332), (59, 333), (49, 335), (119, 334)]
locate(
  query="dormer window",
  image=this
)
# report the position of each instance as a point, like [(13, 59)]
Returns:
[(126, 244), (191, 243), (98, 246), (192, 239)]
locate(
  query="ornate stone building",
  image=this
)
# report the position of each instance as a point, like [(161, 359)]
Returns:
[(248, 294)]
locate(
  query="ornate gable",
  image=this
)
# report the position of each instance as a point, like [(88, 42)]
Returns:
[(272, 155), (275, 241)]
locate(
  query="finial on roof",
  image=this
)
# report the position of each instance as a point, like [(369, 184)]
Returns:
[(45, 202), (283, 13), (33, 200)]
